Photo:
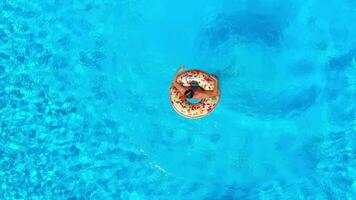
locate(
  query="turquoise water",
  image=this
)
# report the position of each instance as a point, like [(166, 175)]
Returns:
[(85, 112)]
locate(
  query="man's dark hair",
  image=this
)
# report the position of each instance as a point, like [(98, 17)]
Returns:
[(189, 93)]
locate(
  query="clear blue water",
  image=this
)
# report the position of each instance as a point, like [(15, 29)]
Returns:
[(85, 113)]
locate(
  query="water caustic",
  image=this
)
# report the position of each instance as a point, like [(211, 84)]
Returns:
[(85, 110)]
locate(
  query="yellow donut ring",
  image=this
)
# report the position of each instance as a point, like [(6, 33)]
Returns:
[(193, 110)]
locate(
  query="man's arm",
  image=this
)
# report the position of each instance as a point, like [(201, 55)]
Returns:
[(179, 87)]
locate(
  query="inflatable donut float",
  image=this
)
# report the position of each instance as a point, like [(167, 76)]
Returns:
[(186, 108)]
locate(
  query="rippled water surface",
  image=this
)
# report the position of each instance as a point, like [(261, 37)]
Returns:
[(85, 111)]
